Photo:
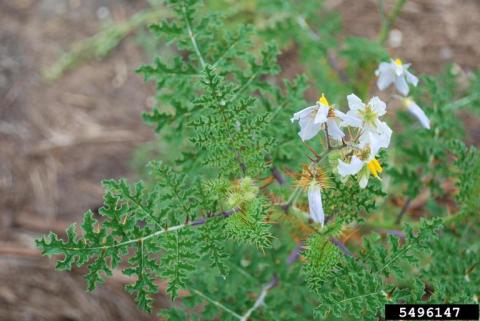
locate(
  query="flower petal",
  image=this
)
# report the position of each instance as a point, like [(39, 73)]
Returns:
[(371, 140), (322, 114), (303, 113), (354, 102), (418, 112), (315, 204), (334, 130), (411, 78), (398, 70), (363, 180), (401, 85), (309, 130), (345, 169), (385, 79), (378, 106), (375, 140), (385, 133), (350, 119), (383, 67)]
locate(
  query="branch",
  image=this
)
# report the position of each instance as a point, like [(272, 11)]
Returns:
[(200, 221), (295, 254), (403, 211), (293, 257), (192, 37), (225, 53), (327, 136), (261, 298), (341, 246), (277, 174), (389, 21), (218, 304)]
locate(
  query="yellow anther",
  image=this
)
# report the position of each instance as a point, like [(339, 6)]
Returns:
[(323, 101), (374, 167), (398, 62), (378, 166)]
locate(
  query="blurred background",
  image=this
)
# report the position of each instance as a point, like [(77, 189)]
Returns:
[(70, 105)]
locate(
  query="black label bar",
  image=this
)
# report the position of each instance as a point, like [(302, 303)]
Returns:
[(432, 312)]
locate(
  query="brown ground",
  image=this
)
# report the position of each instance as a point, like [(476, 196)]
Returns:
[(58, 141)]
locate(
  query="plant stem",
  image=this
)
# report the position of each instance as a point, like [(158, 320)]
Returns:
[(278, 176), (389, 21), (462, 102), (260, 298), (327, 137), (294, 255), (218, 304), (341, 246), (200, 221), (192, 38), (403, 211)]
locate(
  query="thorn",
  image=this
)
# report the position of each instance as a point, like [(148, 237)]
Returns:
[(307, 169), (311, 159), (267, 181), (311, 149)]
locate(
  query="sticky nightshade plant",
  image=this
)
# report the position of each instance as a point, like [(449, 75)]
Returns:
[(264, 194)]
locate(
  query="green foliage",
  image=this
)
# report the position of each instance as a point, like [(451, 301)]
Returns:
[(453, 272), (427, 160), (223, 214), (347, 201), (213, 246), (468, 178), (133, 219), (322, 257), (365, 283), (231, 133), (250, 225)]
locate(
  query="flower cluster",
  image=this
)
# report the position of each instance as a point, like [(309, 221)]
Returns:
[(367, 134), (359, 134)]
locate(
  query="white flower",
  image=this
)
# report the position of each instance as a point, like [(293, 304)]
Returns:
[(365, 116), (416, 111), (315, 204), (395, 72), (375, 133), (312, 119), (376, 140), (363, 169), (306, 118)]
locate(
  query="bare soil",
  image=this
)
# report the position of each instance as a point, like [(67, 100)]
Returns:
[(58, 140)]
